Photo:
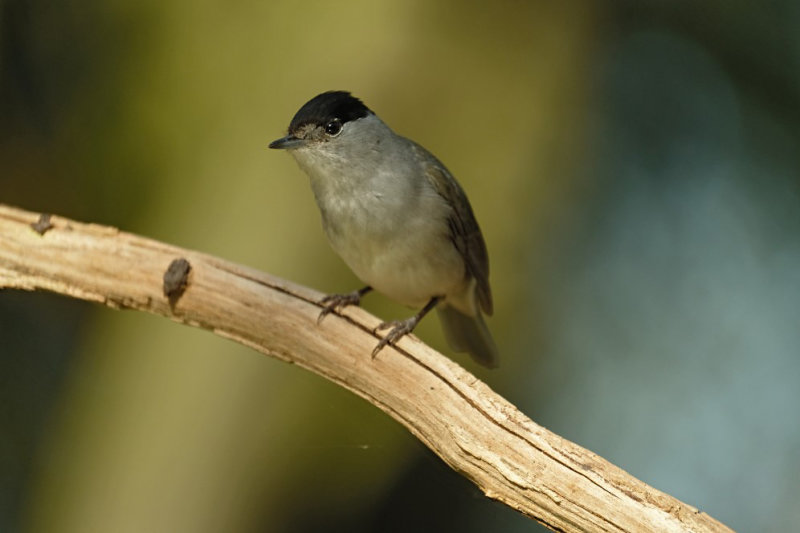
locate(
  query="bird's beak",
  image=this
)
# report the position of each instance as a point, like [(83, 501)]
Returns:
[(287, 143)]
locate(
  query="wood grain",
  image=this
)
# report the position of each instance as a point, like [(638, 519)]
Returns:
[(474, 430)]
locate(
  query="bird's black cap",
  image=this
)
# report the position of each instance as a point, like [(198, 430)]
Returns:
[(327, 106)]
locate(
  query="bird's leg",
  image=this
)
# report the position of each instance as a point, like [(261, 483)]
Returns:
[(334, 302), (402, 327)]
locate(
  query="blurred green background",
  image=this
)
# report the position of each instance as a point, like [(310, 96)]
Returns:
[(633, 165)]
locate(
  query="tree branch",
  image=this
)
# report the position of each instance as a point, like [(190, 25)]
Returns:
[(475, 431)]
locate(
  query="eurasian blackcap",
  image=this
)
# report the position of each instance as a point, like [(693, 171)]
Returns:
[(398, 218)]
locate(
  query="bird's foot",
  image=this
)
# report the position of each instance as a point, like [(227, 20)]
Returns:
[(335, 302), (400, 328)]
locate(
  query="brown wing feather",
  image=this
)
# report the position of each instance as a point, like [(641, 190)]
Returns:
[(464, 228)]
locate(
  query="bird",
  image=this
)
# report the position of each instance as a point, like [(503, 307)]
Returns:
[(399, 220)]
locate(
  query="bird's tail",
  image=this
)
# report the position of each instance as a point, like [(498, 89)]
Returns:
[(468, 334)]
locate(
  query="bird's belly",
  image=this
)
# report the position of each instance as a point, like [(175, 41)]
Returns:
[(409, 262)]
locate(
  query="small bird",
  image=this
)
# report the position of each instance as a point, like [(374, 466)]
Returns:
[(398, 218)]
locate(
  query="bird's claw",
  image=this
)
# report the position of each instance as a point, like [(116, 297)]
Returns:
[(333, 302), (400, 328)]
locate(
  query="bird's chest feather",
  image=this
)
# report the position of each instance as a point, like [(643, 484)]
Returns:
[(368, 228), (365, 206), (396, 241), (390, 227)]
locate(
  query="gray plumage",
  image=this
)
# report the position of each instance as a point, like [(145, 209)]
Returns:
[(397, 217)]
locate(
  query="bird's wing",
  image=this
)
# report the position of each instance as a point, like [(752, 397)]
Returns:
[(464, 230)]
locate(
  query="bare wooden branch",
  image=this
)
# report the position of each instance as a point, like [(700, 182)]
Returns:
[(475, 431)]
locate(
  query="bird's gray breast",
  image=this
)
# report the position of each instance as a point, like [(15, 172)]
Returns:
[(392, 231), (365, 211)]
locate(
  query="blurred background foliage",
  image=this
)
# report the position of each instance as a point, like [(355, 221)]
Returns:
[(634, 167)]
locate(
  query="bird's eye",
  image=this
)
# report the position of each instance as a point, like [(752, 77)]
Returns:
[(333, 127)]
